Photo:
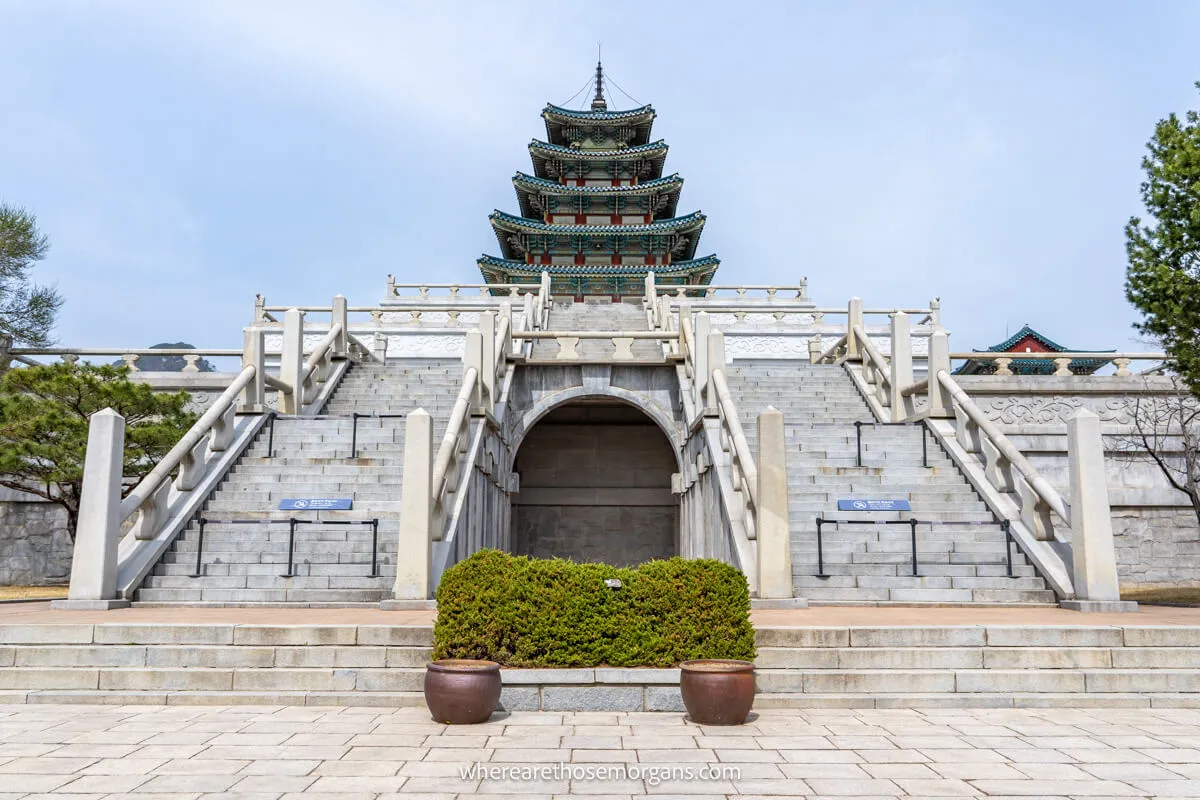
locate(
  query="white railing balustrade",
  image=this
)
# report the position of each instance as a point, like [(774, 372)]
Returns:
[(1062, 361), (72, 355), (622, 341), (1005, 467), (453, 289), (741, 460)]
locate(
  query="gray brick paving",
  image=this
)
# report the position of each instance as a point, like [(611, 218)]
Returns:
[(287, 753)]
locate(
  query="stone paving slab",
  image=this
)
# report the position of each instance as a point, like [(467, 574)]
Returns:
[(310, 753)]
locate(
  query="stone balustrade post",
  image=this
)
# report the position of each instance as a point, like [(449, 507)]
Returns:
[(1092, 549), (473, 357), (814, 348), (415, 549), (935, 312), (527, 323), (700, 358), (254, 395), (260, 308), (340, 316), (98, 530), (650, 295), (771, 516), (940, 402), (901, 366), (487, 358), (716, 361), (291, 363), (854, 316)]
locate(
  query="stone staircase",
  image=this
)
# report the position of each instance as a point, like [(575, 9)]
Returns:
[(603, 316), (960, 545), (803, 666), (244, 562)]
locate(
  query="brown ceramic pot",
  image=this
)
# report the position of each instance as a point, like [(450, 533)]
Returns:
[(462, 691), (717, 691)]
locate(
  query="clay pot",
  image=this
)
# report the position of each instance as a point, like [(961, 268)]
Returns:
[(717, 691), (462, 691)]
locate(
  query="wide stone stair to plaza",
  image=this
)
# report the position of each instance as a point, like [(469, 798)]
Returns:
[(244, 562), (961, 547), (1031, 663)]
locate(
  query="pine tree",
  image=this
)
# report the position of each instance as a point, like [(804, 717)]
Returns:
[(27, 310), (1163, 276), (44, 415)]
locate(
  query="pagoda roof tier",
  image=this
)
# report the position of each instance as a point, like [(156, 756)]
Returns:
[(527, 185), (636, 121), (545, 153), (706, 266), (507, 224)]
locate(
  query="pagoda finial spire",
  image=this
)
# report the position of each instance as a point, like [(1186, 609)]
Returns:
[(598, 102)]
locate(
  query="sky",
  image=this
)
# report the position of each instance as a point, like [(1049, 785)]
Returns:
[(183, 156)]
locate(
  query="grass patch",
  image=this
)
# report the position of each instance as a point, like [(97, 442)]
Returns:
[(32, 592), (1166, 595)]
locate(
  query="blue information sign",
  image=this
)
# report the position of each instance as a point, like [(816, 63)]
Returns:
[(874, 505), (316, 504)]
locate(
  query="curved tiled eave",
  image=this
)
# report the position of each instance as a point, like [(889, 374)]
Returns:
[(632, 126), (650, 157), (679, 235), (529, 186), (512, 224), (706, 265)]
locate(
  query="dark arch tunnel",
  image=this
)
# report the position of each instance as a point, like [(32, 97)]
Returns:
[(595, 485)]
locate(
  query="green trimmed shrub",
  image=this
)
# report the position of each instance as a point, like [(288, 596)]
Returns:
[(527, 612)]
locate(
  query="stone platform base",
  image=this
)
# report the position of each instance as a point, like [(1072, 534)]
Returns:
[(780, 603), (1100, 606), (408, 605), (88, 605)]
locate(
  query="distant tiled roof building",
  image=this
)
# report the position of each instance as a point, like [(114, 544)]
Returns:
[(1027, 340)]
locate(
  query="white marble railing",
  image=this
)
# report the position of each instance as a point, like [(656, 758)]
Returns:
[(1062, 361), (72, 355), (453, 289), (622, 341)]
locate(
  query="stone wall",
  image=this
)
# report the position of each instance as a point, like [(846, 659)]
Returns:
[(35, 549), (595, 485)]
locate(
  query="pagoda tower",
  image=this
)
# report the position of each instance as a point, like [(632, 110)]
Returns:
[(597, 213)]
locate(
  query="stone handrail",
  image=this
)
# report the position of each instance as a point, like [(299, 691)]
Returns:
[(875, 368), (1062, 360), (513, 289), (130, 356), (188, 457), (745, 474), (445, 471), (1005, 467), (833, 353), (711, 290)]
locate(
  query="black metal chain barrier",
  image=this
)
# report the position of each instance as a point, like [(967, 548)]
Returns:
[(292, 523), (859, 425), (1004, 524), (354, 417)]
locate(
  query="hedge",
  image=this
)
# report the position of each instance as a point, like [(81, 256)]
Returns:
[(527, 612)]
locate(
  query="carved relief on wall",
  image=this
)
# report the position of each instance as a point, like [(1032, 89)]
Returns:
[(1053, 409)]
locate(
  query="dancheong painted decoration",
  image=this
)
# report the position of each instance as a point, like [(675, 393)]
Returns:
[(597, 213)]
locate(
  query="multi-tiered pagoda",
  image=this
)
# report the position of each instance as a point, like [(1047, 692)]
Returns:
[(597, 213)]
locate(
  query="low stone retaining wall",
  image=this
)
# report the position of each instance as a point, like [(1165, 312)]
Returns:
[(599, 689)]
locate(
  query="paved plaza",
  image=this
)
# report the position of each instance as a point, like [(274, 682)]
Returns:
[(280, 753)]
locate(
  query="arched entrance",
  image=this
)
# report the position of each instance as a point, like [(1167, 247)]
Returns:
[(595, 485)]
